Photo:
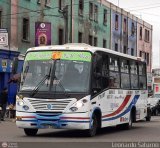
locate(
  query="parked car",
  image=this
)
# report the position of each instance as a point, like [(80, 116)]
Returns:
[(154, 104)]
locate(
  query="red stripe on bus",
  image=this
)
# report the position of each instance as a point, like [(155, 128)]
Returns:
[(28, 117), (120, 108)]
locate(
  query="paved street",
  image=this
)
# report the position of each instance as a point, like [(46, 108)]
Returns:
[(142, 131)]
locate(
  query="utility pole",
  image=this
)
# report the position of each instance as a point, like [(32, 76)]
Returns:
[(65, 15), (42, 10), (71, 22)]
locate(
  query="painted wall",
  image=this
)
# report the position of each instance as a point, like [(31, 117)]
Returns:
[(83, 23), (124, 41), (132, 35), (142, 44), (116, 32)]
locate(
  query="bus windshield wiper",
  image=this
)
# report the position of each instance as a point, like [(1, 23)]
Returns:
[(60, 84), (37, 87)]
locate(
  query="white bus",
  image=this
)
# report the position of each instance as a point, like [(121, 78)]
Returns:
[(77, 86)]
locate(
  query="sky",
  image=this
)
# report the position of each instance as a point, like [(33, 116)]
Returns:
[(149, 11)]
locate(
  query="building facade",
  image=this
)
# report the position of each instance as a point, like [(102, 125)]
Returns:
[(116, 28), (98, 23), (144, 42)]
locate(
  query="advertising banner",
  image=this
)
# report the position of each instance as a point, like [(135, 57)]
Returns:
[(42, 33), (3, 37), (5, 65)]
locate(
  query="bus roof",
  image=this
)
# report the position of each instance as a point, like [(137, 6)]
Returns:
[(82, 47)]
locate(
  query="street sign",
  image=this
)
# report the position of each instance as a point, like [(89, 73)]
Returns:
[(3, 37)]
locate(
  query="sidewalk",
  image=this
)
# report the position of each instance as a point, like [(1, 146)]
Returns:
[(8, 120)]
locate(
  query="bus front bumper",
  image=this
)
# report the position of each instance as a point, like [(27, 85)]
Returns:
[(63, 121)]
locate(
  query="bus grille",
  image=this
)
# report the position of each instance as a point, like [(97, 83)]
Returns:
[(54, 106)]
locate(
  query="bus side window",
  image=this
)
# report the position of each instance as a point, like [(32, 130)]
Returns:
[(105, 72), (114, 75)]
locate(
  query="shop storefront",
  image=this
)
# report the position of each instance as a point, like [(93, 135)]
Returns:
[(6, 60)]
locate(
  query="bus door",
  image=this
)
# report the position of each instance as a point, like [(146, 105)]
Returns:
[(100, 83)]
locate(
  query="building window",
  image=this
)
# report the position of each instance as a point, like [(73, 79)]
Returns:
[(90, 40), (95, 13), (104, 43), (125, 50), (140, 33), (116, 47), (38, 1), (132, 51), (81, 5), (105, 17), (116, 22), (25, 35), (61, 35), (147, 58), (61, 4), (95, 41), (90, 10), (125, 25), (80, 37), (140, 53), (48, 3), (0, 19), (146, 35), (132, 29)]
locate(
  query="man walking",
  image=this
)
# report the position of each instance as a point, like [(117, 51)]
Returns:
[(3, 102)]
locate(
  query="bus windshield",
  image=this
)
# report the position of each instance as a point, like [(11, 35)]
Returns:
[(56, 71)]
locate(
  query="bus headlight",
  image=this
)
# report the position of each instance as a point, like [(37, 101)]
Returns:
[(20, 103), (78, 105), (73, 109), (25, 107)]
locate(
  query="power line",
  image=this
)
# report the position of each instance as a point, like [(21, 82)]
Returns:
[(149, 14), (141, 6), (144, 8)]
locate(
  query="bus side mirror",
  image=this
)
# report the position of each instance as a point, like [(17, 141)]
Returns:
[(15, 65), (95, 90)]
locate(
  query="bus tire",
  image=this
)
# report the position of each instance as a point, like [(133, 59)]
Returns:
[(94, 126), (30, 132), (148, 117), (156, 112)]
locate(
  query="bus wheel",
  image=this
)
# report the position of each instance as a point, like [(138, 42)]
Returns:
[(94, 126), (148, 117), (30, 132), (156, 112)]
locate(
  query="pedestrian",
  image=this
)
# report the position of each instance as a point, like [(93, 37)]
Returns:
[(3, 102)]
